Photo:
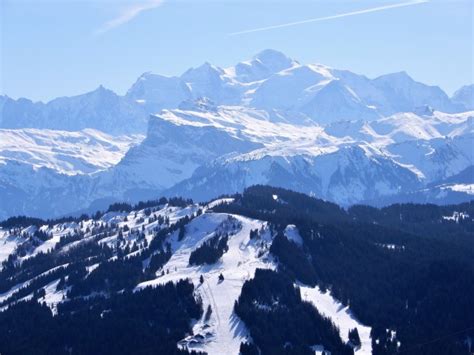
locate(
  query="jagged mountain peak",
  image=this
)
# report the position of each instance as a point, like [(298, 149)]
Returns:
[(271, 80), (399, 76), (466, 88), (149, 75), (99, 93), (274, 59), (201, 104), (101, 90), (145, 75), (465, 96), (261, 66), (204, 69), (425, 110)]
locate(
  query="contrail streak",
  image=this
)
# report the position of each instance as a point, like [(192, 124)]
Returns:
[(319, 19)]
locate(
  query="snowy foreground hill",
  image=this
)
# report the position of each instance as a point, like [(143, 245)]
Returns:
[(269, 271), (331, 133)]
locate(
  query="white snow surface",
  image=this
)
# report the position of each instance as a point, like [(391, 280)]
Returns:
[(415, 149), (292, 233), (339, 315), (226, 331), (8, 244), (66, 152), (220, 201), (7, 294), (456, 216), (287, 135), (467, 188), (52, 297)]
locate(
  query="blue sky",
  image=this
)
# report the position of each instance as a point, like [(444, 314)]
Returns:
[(53, 48)]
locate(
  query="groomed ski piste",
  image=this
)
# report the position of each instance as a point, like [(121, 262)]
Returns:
[(223, 331), (339, 314)]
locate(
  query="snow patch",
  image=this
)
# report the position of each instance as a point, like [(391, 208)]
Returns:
[(456, 216), (292, 233), (339, 314), (466, 188), (220, 201)]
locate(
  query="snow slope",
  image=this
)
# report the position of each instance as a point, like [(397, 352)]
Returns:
[(340, 315), (224, 331), (202, 150), (66, 152), (345, 162), (8, 244)]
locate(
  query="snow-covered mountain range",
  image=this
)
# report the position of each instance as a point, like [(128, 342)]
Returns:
[(70, 153), (270, 120), (269, 81)]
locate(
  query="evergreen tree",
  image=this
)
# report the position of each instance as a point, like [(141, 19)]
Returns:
[(210, 251), (208, 314), (248, 349), (354, 337), (181, 233)]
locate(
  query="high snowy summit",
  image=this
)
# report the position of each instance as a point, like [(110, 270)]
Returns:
[(268, 120)]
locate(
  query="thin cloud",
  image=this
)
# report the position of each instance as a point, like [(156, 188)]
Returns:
[(326, 18), (129, 14)]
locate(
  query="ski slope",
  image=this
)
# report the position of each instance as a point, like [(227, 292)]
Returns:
[(339, 314), (224, 331)]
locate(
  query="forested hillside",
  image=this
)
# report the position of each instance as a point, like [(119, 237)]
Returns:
[(268, 271)]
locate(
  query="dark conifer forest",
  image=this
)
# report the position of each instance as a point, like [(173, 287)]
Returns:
[(403, 267)]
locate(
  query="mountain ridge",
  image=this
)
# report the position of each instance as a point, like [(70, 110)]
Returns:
[(203, 150), (268, 120), (270, 73)]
